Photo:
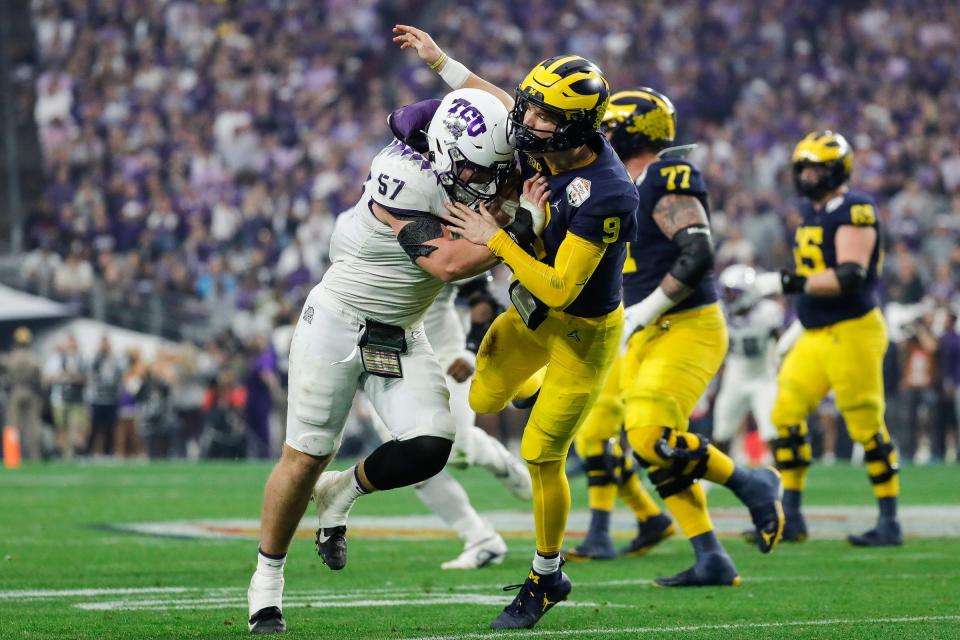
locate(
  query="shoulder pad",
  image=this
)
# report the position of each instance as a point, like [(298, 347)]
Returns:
[(672, 175), (403, 180), (676, 153), (856, 209)]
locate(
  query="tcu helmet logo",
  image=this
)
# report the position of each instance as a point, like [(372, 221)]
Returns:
[(465, 116)]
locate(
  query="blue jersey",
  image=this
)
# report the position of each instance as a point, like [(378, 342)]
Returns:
[(597, 202), (652, 254), (815, 250)]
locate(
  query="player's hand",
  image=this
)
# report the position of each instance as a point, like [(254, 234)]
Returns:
[(460, 370), (536, 191), (411, 37), (476, 226)]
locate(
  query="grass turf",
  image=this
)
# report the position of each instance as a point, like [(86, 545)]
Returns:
[(50, 541)]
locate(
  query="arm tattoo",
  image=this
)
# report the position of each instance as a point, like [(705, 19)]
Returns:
[(675, 212)]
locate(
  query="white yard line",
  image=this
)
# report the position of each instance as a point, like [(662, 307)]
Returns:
[(594, 633)]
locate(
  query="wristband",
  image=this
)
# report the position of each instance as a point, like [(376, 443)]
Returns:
[(454, 74)]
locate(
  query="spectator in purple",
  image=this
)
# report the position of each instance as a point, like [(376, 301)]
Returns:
[(262, 386)]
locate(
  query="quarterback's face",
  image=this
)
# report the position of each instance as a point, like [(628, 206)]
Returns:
[(540, 122)]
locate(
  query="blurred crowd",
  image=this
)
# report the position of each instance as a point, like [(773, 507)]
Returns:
[(198, 152)]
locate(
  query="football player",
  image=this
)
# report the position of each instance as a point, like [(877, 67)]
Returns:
[(362, 326), (676, 338), (562, 332), (838, 255), (749, 381)]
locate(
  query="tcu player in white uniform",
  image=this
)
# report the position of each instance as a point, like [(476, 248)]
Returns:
[(362, 327), (750, 371), (442, 494)]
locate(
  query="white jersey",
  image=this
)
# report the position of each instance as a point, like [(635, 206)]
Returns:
[(370, 271), (444, 327), (752, 341)]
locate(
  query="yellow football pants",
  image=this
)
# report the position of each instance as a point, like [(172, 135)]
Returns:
[(577, 353), (599, 432), (848, 358), (665, 370)]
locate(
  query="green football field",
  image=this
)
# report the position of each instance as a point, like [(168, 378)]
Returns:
[(69, 569)]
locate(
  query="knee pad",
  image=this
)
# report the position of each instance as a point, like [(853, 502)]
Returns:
[(401, 463), (793, 450), (602, 469), (686, 462), (881, 459)]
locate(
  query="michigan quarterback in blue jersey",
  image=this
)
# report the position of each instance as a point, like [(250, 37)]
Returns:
[(838, 262), (566, 247), (676, 342)]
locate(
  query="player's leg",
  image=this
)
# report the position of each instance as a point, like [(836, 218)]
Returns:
[(321, 388), (731, 406), (653, 525), (665, 371), (581, 351), (856, 373), (801, 385), (596, 443), (509, 361), (416, 409), (475, 447), (662, 377), (445, 497)]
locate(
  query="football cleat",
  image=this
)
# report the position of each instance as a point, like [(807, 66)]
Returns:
[(332, 547), (537, 595), (794, 529), (267, 620), (517, 478), (763, 497), (650, 533), (710, 570), (596, 548), (487, 552), (887, 533)]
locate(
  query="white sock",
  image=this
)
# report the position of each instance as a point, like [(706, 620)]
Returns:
[(445, 497), (270, 567), (546, 566), (483, 450), (266, 585), (346, 489)]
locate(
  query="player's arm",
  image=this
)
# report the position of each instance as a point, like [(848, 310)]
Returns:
[(683, 220), (430, 246), (854, 244), (455, 74), (556, 286)]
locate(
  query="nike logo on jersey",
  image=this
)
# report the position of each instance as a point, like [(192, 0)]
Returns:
[(574, 335)]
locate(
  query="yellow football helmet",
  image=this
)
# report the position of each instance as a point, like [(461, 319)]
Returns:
[(825, 149), (639, 119), (571, 88)]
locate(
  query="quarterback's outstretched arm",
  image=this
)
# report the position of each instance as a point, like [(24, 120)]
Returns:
[(433, 250), (455, 74)]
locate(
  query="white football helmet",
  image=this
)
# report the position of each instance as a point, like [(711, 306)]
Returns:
[(736, 286), (469, 147)]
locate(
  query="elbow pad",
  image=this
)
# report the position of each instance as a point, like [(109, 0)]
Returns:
[(851, 276), (696, 254)]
